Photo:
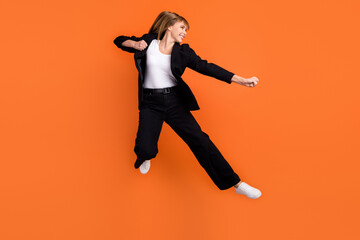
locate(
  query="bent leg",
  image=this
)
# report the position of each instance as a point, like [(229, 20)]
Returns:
[(146, 142)]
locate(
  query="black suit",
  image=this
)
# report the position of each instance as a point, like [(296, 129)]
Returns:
[(182, 56), (174, 107)]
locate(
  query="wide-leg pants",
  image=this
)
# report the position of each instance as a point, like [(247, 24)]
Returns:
[(169, 107)]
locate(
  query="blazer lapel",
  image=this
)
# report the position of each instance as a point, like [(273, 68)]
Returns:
[(175, 58), (147, 38)]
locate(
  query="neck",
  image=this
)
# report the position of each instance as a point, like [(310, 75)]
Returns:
[(167, 42)]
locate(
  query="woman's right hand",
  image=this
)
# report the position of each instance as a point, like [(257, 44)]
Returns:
[(140, 45)]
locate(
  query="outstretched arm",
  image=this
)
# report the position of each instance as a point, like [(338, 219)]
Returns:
[(204, 67), (210, 69)]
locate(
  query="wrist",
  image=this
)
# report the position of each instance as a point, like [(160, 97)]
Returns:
[(237, 79)]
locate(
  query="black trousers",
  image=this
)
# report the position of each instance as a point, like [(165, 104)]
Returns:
[(169, 107)]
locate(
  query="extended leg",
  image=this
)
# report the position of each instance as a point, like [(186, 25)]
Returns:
[(207, 154)]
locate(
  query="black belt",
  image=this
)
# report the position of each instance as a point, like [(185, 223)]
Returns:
[(160, 90)]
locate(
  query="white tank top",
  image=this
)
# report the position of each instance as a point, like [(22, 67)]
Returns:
[(158, 72)]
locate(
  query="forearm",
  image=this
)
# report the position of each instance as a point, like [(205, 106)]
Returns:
[(128, 43)]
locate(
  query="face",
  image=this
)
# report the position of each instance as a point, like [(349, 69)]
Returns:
[(178, 31)]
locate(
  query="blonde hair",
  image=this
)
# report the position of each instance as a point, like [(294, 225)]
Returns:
[(164, 20)]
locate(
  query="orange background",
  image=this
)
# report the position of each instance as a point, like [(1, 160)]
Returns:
[(68, 101)]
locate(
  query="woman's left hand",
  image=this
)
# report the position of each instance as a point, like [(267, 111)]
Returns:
[(249, 82)]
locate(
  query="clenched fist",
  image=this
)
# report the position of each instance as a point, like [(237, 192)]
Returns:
[(140, 45), (250, 82)]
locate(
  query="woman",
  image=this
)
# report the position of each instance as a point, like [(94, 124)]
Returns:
[(164, 96)]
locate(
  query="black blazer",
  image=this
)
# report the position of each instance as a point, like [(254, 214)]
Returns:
[(182, 56)]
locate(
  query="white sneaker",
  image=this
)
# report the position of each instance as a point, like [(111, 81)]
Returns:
[(247, 190), (145, 166)]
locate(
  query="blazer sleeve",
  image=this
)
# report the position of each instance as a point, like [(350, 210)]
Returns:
[(204, 67), (120, 39)]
